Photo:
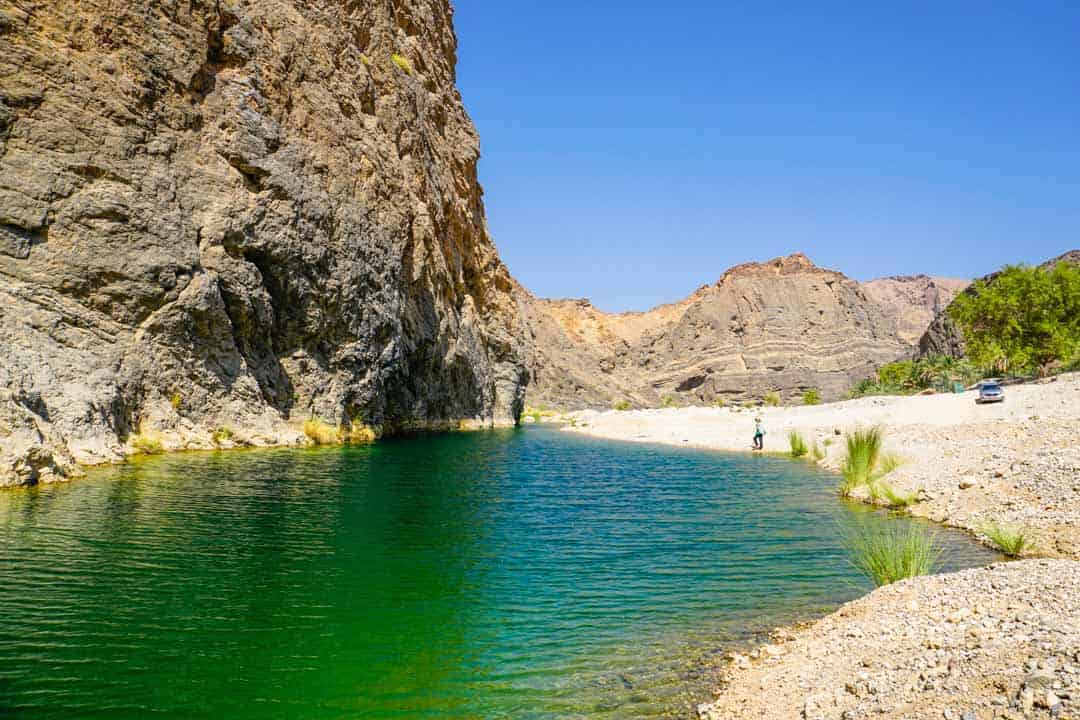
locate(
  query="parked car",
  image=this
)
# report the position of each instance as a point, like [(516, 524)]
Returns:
[(990, 391)]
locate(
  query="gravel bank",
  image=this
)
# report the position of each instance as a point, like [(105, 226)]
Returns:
[(995, 642)]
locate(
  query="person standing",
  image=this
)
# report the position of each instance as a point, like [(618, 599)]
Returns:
[(759, 435)]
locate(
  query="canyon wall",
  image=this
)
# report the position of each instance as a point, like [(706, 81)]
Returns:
[(220, 218)]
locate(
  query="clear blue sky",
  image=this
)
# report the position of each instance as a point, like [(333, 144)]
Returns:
[(633, 151)]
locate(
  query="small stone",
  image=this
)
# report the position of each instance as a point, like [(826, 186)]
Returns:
[(966, 483)]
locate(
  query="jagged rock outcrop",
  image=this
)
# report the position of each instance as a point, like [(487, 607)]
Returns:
[(913, 301), (944, 337), (241, 214), (785, 325)]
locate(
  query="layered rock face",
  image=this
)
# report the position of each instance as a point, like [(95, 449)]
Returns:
[(944, 337), (913, 301), (784, 325), (239, 214)]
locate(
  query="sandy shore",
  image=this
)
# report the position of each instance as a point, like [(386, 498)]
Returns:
[(1017, 462), (996, 642)]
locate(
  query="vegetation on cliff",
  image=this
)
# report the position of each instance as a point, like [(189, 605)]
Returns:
[(1026, 319)]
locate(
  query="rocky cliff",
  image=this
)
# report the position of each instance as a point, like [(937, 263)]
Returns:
[(913, 301), (236, 215), (944, 337), (785, 325)]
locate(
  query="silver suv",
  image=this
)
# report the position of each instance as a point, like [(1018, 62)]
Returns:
[(990, 391)]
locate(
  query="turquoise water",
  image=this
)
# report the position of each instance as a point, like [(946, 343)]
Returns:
[(511, 574)]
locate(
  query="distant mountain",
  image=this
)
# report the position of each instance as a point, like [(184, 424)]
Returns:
[(913, 301), (785, 325)]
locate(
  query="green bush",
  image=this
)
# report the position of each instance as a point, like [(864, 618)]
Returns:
[(1009, 540), (621, 405), (772, 399), (798, 445), (669, 401), (906, 377), (893, 552), (1025, 318), (811, 397)]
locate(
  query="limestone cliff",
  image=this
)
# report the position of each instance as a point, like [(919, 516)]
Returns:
[(239, 214), (785, 325)]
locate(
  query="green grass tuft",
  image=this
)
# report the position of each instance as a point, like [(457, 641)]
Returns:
[(861, 462), (402, 62), (176, 401), (811, 397), (144, 444), (365, 59), (621, 405), (719, 402), (1009, 540), (818, 452), (798, 445), (882, 492), (222, 435), (669, 401), (772, 399), (893, 552)]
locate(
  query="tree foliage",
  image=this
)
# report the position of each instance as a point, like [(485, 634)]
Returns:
[(1024, 318), (911, 376)]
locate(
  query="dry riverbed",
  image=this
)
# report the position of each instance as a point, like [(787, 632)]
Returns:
[(997, 642)]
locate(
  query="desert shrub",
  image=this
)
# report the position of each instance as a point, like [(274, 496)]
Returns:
[(669, 401), (402, 62), (892, 552), (1009, 540), (222, 435), (321, 432), (1024, 318), (145, 444), (811, 397), (719, 402), (798, 444), (621, 405), (176, 401), (359, 433), (772, 399)]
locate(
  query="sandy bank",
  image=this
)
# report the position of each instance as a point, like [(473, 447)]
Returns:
[(1017, 462)]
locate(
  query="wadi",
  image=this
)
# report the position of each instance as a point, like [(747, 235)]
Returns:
[(282, 435)]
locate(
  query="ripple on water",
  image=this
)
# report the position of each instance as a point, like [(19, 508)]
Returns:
[(505, 574)]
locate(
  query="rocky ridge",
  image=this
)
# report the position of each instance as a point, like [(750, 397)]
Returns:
[(784, 325), (218, 220)]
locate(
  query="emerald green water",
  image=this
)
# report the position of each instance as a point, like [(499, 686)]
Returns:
[(523, 574)]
